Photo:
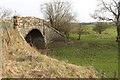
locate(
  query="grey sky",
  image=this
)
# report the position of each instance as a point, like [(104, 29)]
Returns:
[(82, 8)]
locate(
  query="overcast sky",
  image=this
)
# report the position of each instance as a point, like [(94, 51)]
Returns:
[(82, 8)]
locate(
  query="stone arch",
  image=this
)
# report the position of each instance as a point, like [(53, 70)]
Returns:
[(35, 38)]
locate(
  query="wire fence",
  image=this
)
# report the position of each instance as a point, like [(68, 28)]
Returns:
[(102, 75)]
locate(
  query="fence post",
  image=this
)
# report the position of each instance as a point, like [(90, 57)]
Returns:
[(102, 75), (115, 74)]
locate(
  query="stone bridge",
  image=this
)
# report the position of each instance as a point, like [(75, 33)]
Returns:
[(36, 31)]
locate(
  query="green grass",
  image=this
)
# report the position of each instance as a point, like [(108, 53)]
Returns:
[(4, 23), (99, 51)]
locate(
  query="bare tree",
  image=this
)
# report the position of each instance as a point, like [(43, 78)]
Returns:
[(109, 11), (5, 13), (80, 30), (59, 15), (100, 27)]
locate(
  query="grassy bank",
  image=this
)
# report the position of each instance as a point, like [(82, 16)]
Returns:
[(23, 61), (99, 51)]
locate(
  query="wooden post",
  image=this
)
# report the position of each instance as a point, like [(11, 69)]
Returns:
[(115, 75), (102, 75), (15, 21)]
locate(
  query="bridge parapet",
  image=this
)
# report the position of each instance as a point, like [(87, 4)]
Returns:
[(27, 21)]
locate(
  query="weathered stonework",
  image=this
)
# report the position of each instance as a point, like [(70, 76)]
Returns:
[(27, 24)]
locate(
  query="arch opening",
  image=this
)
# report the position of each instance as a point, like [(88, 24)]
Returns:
[(36, 39)]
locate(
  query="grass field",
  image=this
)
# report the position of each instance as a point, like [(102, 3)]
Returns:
[(97, 50)]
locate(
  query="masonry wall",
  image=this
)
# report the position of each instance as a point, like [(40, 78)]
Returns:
[(26, 24), (53, 35)]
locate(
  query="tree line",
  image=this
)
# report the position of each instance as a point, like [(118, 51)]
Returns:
[(60, 16)]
